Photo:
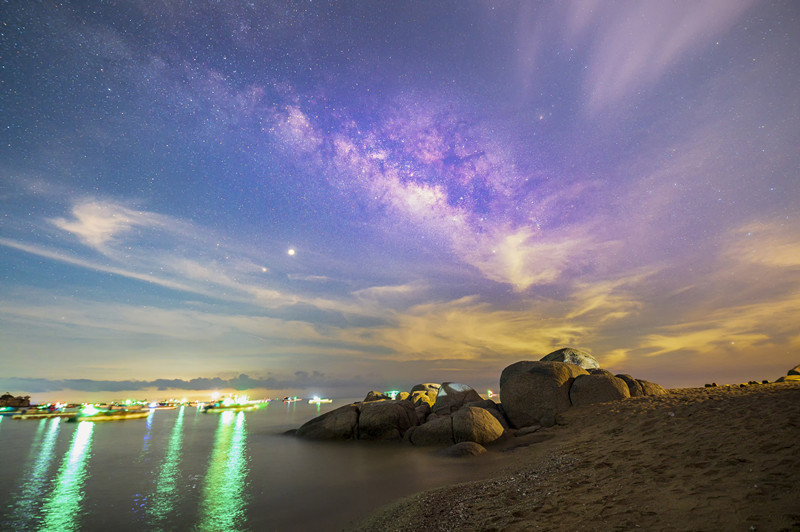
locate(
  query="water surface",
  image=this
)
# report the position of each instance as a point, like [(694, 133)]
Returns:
[(186, 470)]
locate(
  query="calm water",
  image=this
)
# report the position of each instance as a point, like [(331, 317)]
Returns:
[(185, 470)]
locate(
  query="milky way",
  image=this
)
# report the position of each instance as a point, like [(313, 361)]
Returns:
[(337, 197)]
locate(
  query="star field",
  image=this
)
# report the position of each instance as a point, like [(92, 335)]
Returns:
[(328, 197)]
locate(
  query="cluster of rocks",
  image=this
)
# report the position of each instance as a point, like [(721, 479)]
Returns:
[(533, 393), (9, 400)]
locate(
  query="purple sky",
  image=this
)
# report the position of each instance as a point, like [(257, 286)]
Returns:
[(463, 185)]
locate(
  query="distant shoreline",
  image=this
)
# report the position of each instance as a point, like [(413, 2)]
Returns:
[(714, 458)]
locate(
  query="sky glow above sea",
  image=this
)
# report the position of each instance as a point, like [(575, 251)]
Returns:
[(333, 197)]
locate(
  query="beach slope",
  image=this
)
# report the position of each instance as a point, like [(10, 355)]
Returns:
[(725, 458)]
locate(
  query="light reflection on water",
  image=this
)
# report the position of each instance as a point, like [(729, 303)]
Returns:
[(223, 503), (61, 509), (26, 505), (186, 470), (163, 500)]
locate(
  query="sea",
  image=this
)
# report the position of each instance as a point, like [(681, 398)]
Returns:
[(184, 469)]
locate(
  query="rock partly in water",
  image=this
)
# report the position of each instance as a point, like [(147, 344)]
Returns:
[(437, 431), (461, 449), (634, 387), (475, 425), (452, 396), (338, 424), (597, 388), (385, 420), (535, 394), (571, 355)]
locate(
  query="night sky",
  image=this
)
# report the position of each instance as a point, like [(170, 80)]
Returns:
[(313, 197)]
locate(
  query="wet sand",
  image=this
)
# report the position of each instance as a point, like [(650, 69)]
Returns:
[(713, 459)]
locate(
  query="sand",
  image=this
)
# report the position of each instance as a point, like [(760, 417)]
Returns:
[(713, 459)]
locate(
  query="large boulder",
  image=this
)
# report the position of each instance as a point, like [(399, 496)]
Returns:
[(794, 371), (385, 420), (452, 396), (437, 431), (475, 425), (494, 409), (572, 356), (338, 424), (634, 387), (597, 388), (536, 394), (651, 388)]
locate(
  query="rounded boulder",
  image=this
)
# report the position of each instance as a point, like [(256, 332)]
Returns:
[(385, 420), (452, 396), (536, 394), (338, 424), (597, 388), (571, 355), (475, 425)]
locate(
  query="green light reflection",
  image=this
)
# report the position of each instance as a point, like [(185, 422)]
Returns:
[(62, 509), (26, 505), (166, 492), (223, 504)]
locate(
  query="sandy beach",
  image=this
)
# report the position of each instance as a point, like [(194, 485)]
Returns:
[(725, 458)]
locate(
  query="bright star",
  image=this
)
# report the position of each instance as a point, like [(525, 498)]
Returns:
[(291, 251)]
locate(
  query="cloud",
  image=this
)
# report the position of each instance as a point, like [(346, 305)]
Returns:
[(97, 223)]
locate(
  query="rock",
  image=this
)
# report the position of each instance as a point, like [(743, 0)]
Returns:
[(402, 396), (338, 424), (794, 371), (461, 449), (524, 431), (422, 411), (536, 394), (385, 420), (525, 365), (419, 397), (475, 425), (598, 371), (634, 387), (430, 389), (651, 388), (376, 396), (597, 388), (572, 356), (494, 409), (437, 431), (452, 396)]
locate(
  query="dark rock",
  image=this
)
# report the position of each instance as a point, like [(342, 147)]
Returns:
[(461, 449), (597, 388), (385, 420), (570, 355), (422, 411), (476, 425), (436, 431), (651, 388), (536, 391), (524, 431), (338, 424), (452, 396), (634, 387), (794, 371)]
